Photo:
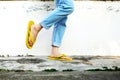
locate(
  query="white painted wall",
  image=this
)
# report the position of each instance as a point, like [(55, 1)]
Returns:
[(93, 28)]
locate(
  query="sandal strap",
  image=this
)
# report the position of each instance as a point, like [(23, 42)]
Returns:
[(61, 55)]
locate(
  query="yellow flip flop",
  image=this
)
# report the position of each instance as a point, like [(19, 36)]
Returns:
[(60, 57), (29, 35)]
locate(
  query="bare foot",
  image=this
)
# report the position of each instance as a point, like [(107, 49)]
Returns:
[(34, 31), (55, 53)]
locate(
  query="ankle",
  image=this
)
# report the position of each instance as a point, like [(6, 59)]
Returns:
[(55, 54), (38, 27), (55, 51)]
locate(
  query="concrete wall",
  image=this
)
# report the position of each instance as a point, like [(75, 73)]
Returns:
[(93, 28)]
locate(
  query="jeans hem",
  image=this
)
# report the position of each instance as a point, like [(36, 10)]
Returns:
[(44, 25)]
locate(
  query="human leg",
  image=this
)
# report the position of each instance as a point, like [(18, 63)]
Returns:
[(63, 8), (58, 33)]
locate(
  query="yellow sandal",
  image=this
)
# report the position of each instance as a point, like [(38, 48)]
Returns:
[(61, 57), (29, 35)]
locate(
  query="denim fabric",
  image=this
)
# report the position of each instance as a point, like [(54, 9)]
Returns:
[(58, 18)]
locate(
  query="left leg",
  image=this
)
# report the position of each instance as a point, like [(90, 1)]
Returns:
[(58, 33)]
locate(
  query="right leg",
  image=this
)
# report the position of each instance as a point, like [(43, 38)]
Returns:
[(63, 8)]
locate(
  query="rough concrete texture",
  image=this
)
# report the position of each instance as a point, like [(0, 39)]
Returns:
[(39, 63), (60, 76)]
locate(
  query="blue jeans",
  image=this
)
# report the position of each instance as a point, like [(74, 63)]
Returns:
[(58, 18)]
